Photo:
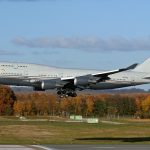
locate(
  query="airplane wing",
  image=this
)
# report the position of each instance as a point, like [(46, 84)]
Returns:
[(115, 71), (100, 76), (79, 81)]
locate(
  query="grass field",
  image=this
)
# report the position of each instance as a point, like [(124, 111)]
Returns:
[(13, 131)]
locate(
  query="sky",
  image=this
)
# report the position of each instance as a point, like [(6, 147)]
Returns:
[(93, 34)]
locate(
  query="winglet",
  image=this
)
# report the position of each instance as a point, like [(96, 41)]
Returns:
[(130, 67)]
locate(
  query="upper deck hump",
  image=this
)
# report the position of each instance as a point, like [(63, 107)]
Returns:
[(41, 67)]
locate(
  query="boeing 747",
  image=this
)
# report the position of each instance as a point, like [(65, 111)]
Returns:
[(68, 81)]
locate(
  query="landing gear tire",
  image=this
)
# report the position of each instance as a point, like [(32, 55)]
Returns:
[(58, 92), (72, 94), (66, 93)]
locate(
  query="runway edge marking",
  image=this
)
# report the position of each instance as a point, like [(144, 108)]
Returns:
[(43, 147)]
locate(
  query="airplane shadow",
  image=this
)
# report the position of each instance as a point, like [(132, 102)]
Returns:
[(121, 139)]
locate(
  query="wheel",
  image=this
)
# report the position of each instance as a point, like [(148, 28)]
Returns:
[(64, 91), (66, 95), (59, 92), (61, 96), (74, 94)]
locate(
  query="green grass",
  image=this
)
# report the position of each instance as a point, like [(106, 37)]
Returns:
[(14, 131)]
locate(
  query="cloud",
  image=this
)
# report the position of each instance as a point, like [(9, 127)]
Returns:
[(86, 43)]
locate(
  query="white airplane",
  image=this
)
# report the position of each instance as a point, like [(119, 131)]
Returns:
[(68, 81)]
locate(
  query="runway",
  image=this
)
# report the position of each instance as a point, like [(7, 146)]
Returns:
[(98, 147), (74, 147), (16, 147)]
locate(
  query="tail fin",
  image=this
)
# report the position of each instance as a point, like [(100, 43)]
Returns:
[(144, 67)]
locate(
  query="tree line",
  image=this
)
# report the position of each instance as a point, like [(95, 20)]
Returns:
[(97, 105)]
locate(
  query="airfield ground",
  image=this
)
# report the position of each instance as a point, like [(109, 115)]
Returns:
[(33, 131)]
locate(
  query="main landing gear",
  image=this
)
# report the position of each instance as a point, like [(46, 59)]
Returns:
[(66, 93)]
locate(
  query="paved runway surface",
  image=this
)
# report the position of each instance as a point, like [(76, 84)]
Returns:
[(15, 147), (75, 147), (99, 147)]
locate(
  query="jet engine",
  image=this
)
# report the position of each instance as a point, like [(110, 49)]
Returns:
[(85, 80), (48, 84)]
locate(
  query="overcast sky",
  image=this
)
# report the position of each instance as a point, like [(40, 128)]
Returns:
[(96, 34)]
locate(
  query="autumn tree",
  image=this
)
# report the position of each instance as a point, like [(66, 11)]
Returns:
[(125, 105), (100, 108), (99, 105), (89, 105), (139, 100), (146, 107), (7, 99), (19, 108)]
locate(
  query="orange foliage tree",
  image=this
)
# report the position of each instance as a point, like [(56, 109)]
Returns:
[(7, 99), (99, 105), (146, 107)]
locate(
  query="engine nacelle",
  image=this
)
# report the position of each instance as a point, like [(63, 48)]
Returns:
[(85, 80), (37, 88), (48, 84)]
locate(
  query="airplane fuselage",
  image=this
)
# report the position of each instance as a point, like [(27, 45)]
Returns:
[(22, 74)]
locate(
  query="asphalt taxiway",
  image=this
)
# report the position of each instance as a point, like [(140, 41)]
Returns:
[(15, 147), (98, 147), (75, 147)]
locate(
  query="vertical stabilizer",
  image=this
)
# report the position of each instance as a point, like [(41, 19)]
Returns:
[(144, 67)]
